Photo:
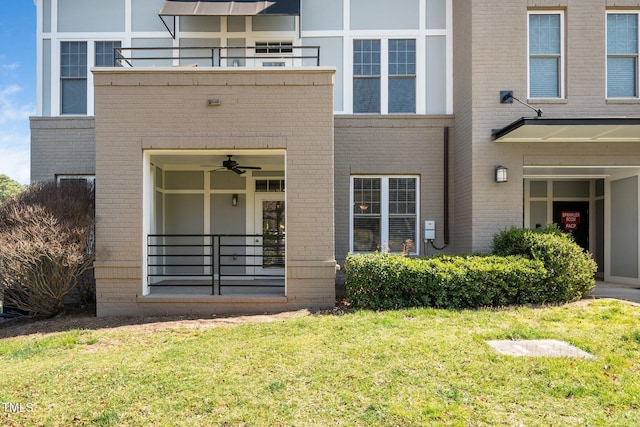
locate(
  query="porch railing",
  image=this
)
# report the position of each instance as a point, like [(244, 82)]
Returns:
[(218, 56), (208, 259)]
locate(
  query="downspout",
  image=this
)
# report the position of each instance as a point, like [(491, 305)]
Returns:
[(445, 186), (445, 177)]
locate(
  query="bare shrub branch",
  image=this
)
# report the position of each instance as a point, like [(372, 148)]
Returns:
[(46, 244)]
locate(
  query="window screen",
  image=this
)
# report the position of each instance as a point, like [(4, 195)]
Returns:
[(544, 55), (366, 76), (402, 76), (622, 55), (73, 76)]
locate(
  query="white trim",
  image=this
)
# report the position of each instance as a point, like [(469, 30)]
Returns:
[(561, 77), (39, 57), (148, 191)]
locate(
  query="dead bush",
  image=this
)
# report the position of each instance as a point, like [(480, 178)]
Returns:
[(46, 245)]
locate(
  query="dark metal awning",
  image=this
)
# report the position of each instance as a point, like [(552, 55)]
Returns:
[(175, 8), (229, 7), (597, 129)]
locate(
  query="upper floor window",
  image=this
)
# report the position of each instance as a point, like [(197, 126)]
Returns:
[(622, 55), (402, 76), (366, 76), (274, 47), (74, 69), (395, 72), (105, 53), (73, 77), (546, 55)]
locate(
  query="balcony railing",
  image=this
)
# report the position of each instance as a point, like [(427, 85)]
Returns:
[(228, 56), (216, 260)]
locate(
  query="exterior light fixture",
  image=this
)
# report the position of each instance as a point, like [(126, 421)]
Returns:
[(501, 174), (234, 200)]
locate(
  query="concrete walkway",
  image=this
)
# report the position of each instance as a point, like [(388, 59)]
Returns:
[(615, 290)]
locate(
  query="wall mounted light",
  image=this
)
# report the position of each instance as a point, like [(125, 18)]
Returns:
[(234, 200), (501, 174)]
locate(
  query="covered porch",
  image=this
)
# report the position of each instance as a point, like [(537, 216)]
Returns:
[(219, 201)]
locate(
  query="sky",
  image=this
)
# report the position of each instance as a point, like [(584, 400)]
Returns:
[(17, 86)]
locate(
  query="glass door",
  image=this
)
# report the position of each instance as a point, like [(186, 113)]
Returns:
[(270, 225)]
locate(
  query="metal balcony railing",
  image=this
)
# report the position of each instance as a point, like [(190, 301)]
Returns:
[(267, 55), (225, 260)]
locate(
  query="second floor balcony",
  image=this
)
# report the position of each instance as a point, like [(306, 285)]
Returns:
[(271, 54)]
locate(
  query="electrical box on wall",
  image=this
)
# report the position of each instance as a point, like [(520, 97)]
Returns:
[(429, 230)]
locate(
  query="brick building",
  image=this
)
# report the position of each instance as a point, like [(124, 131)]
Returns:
[(240, 149)]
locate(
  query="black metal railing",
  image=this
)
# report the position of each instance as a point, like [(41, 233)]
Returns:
[(183, 259), (218, 56)]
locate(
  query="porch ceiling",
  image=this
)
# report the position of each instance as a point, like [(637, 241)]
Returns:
[(575, 172), (596, 129), (206, 160)]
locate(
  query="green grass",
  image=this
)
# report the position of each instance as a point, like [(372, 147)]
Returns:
[(409, 368)]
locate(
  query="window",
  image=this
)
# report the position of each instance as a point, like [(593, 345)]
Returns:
[(269, 185), (402, 76), (384, 214), (395, 71), (71, 180), (274, 47), (73, 77), (622, 55), (545, 55), (366, 76), (105, 54)]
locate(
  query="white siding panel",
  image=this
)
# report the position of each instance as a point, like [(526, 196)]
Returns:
[(321, 15), (91, 15), (385, 15)]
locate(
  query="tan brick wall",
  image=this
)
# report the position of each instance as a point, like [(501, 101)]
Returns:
[(490, 42), (390, 145), (62, 145), (260, 109)]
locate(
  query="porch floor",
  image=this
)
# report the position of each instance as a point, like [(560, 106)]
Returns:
[(262, 287)]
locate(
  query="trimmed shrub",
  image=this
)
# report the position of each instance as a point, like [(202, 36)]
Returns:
[(381, 281), (570, 269)]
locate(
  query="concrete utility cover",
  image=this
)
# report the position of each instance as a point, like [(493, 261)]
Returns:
[(538, 348)]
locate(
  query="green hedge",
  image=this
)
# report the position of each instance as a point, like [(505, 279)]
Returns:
[(527, 267), (570, 269), (381, 281)]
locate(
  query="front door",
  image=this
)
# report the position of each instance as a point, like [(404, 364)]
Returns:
[(573, 218), (270, 225)]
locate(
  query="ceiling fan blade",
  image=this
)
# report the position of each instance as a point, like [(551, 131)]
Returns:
[(238, 171), (249, 167)]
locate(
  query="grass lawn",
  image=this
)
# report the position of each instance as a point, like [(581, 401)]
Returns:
[(408, 368)]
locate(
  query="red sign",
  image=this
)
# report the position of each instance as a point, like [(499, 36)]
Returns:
[(570, 219)]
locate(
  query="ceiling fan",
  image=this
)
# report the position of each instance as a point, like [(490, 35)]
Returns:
[(232, 165)]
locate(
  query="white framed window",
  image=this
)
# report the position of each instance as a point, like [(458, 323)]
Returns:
[(384, 214), (388, 63), (622, 54), (274, 47), (105, 53), (546, 54), (73, 77)]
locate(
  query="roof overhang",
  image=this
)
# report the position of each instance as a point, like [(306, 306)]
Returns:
[(229, 7), (592, 129), (173, 8)]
